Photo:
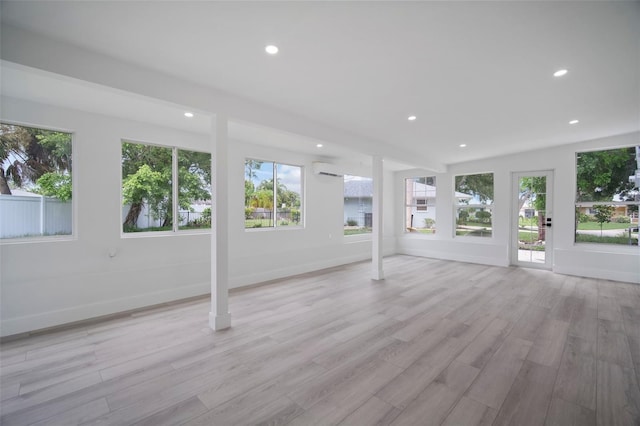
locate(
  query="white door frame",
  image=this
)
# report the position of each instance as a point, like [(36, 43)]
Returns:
[(515, 191)]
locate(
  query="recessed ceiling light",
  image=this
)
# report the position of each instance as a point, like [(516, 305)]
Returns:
[(188, 114), (271, 49), (463, 145), (412, 118), (574, 121), (560, 73), (319, 145)]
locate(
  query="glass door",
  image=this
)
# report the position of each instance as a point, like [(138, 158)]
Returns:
[(532, 220)]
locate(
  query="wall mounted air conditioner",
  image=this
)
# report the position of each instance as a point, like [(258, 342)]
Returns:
[(326, 169)]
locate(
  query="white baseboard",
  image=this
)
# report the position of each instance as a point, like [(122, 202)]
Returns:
[(599, 273), (458, 258), (44, 320)]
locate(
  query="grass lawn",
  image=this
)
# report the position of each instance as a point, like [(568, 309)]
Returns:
[(584, 238), (150, 229), (478, 224), (595, 226), (473, 232), (426, 231), (356, 231), (527, 236)]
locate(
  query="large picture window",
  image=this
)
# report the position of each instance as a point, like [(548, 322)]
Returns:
[(152, 176), (607, 196), (358, 205), (269, 205), (474, 204), (420, 204), (35, 182)]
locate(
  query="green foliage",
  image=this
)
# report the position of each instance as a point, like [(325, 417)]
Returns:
[(479, 185), (150, 187), (248, 212), (463, 216), (194, 177), (602, 174), (483, 216), (621, 239), (250, 166), (583, 217), (429, 222), (204, 221), (55, 185), (147, 173), (602, 214), (27, 153), (533, 188), (352, 222), (249, 190), (622, 219)]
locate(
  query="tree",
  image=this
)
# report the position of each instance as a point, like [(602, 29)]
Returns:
[(534, 189), (147, 186), (250, 166), (147, 178), (479, 185), (601, 175), (26, 154), (151, 184), (54, 185), (602, 213)]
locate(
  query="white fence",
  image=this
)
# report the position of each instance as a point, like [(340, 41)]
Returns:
[(27, 216), (146, 219)]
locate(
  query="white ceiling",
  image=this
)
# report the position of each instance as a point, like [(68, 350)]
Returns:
[(478, 73)]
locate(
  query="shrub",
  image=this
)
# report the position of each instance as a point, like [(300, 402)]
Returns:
[(622, 219), (429, 223), (248, 212), (484, 216), (583, 218), (352, 222)]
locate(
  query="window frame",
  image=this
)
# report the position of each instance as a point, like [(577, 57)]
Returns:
[(359, 236), (274, 212), (73, 236), (591, 204), (457, 206), (175, 189), (415, 203)]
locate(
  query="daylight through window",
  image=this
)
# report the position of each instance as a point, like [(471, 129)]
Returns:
[(358, 206), (607, 196), (35, 182), (148, 176), (420, 204), (474, 204), (267, 205)]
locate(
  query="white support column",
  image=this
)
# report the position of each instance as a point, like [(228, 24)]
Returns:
[(219, 317), (376, 255)]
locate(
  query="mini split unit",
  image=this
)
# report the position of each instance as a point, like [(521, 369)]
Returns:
[(326, 169)]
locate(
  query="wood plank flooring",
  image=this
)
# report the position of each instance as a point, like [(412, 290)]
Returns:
[(436, 343)]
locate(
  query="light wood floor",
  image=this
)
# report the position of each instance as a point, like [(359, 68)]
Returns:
[(435, 343)]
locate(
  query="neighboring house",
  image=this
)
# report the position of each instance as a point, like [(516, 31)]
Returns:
[(358, 201), (618, 211), (421, 203)]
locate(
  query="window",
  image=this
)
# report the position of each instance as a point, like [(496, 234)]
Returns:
[(35, 182), (267, 205), (148, 176), (420, 204), (607, 196), (358, 207), (474, 203)]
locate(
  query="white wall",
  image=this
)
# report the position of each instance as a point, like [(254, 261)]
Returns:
[(55, 281), (591, 260)]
